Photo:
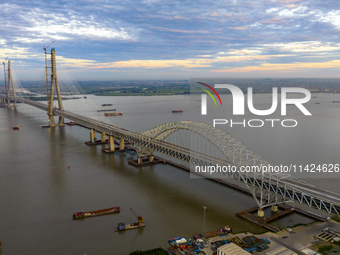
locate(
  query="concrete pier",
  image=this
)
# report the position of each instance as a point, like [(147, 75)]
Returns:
[(260, 213)]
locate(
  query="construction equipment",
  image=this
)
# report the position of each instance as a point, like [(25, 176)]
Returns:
[(139, 224), (139, 218)]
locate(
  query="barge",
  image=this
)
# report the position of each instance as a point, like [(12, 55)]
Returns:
[(106, 104), (113, 114), (123, 226), (177, 111), (106, 110), (221, 232), (139, 224), (82, 215)]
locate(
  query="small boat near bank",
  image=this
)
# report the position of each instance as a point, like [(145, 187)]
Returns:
[(81, 215)]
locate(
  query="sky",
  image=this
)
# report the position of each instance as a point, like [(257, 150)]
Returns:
[(170, 39)]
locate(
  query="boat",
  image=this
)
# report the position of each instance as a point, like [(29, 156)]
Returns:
[(15, 128), (106, 110), (336, 101), (178, 240), (176, 111), (221, 232), (81, 215), (139, 224), (106, 104), (85, 97), (113, 113), (228, 229), (123, 226)]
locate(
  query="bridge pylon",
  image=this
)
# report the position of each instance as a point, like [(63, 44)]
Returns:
[(10, 91), (52, 86)]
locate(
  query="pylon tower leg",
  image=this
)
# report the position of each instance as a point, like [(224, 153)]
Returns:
[(10, 86), (52, 86)]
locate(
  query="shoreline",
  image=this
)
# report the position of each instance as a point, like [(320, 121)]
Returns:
[(289, 240)]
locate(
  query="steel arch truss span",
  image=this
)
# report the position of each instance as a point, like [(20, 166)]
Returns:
[(267, 189)]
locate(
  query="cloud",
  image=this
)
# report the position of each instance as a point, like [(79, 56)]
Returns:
[(152, 34), (17, 53), (34, 25), (164, 29), (304, 47), (331, 17), (296, 66)]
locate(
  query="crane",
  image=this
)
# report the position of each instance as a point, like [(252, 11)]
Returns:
[(45, 48), (139, 218)]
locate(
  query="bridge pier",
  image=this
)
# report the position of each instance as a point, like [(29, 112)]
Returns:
[(144, 161), (111, 143), (275, 208), (260, 213), (139, 160), (112, 148), (93, 138), (122, 144)]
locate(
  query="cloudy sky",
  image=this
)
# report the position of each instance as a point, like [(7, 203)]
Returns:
[(170, 39)]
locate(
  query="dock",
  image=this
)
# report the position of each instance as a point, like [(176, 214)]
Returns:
[(251, 216)]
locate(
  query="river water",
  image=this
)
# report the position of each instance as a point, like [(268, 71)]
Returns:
[(46, 175)]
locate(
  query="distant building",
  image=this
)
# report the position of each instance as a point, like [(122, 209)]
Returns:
[(231, 249)]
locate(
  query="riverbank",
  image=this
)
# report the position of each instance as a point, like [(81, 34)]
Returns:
[(296, 240)]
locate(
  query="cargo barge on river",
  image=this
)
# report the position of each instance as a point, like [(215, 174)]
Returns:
[(82, 215), (139, 224), (106, 110), (106, 104), (113, 114), (176, 111)]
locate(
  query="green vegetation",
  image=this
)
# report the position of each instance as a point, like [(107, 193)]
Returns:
[(157, 251), (179, 87), (324, 249), (151, 88)]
